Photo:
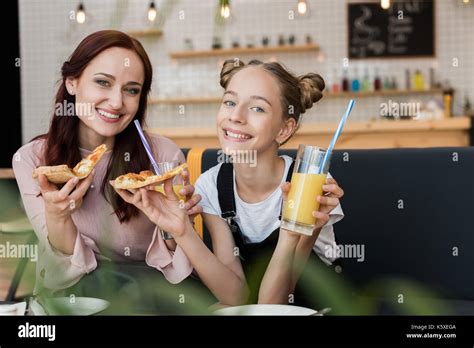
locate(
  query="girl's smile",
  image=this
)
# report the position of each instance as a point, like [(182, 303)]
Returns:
[(235, 135)]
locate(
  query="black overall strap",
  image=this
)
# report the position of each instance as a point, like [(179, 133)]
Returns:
[(225, 190), (290, 171)]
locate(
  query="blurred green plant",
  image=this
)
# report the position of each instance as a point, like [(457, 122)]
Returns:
[(403, 296), (134, 289), (15, 232)]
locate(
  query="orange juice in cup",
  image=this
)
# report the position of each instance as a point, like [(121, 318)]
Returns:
[(306, 184), (178, 183), (176, 188), (304, 189)]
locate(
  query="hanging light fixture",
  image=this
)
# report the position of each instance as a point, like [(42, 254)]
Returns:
[(80, 14), (152, 11), (302, 7), (225, 9), (385, 4)]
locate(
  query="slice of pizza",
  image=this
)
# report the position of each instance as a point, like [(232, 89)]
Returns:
[(56, 174), (61, 174), (85, 166), (145, 178)]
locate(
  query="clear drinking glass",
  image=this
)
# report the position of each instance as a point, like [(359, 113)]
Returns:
[(306, 184)]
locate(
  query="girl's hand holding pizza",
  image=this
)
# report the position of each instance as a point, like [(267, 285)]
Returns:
[(192, 200), (166, 210)]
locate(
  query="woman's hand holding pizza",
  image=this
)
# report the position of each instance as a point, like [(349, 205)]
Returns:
[(61, 203)]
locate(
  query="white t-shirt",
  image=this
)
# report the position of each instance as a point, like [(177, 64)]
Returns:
[(258, 220)]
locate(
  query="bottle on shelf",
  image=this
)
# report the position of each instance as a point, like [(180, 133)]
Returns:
[(377, 81), (448, 102), (386, 83), (432, 79), (188, 44), (467, 106), (345, 81), (216, 43), (394, 84), (448, 94), (335, 88), (366, 81), (291, 39), (281, 40), (355, 85), (407, 80), (418, 81)]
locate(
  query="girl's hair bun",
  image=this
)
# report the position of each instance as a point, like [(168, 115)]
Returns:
[(311, 89)]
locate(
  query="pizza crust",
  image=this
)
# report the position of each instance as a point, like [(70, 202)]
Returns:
[(61, 174), (145, 178)]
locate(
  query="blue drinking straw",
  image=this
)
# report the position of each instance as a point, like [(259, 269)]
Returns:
[(147, 147), (336, 135)]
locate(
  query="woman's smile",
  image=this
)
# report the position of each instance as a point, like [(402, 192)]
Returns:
[(108, 115)]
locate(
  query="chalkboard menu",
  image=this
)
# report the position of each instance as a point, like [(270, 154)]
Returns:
[(406, 29)]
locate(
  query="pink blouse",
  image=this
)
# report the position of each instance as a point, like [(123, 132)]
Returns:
[(99, 231)]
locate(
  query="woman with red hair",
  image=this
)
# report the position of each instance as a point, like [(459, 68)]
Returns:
[(104, 87)]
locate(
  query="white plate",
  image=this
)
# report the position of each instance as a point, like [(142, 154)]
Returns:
[(16, 226), (266, 309), (13, 309), (67, 306)]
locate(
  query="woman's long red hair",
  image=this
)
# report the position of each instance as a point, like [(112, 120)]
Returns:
[(62, 139)]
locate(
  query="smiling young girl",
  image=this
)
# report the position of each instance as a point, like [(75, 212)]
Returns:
[(107, 80), (242, 202)]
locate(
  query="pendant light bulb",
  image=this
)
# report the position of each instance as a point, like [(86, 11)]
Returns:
[(80, 14), (152, 12), (225, 10), (385, 4), (302, 7)]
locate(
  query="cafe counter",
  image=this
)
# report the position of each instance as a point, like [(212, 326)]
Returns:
[(453, 131), (356, 135)]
